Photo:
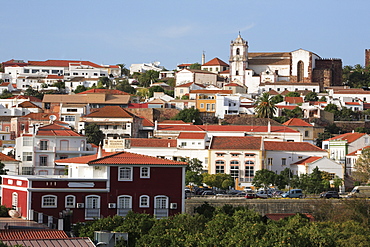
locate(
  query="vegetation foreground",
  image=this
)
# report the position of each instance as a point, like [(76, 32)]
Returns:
[(343, 224)]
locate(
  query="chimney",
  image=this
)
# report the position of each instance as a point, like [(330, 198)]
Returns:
[(203, 58), (269, 127), (99, 152)]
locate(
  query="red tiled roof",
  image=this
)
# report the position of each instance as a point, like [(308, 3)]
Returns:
[(55, 77), (4, 84), (352, 103), (152, 142), (184, 65), (126, 158), (366, 106), (110, 112), (27, 104), (83, 159), (172, 122), (31, 98), (351, 91), (70, 242), (184, 127), (215, 62), (349, 137), (38, 116), (4, 157), (106, 91), (138, 105), (292, 146), (147, 123), (236, 142), (232, 85), (56, 130), (62, 63), (296, 122), (354, 152), (114, 66), (290, 107), (307, 160), (273, 92), (294, 100), (11, 234), (192, 135), (225, 72)]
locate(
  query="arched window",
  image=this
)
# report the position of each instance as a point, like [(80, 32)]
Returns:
[(300, 71), (14, 200), (70, 201), (161, 206), (220, 162), (49, 201), (234, 162), (144, 202), (237, 51), (124, 205), (248, 162), (92, 207)]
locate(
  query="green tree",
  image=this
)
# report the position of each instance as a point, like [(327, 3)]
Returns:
[(104, 82), (194, 170), (265, 107), (283, 179), (94, 134), (264, 178), (124, 86), (362, 167), (147, 78), (277, 99), (331, 108), (188, 115), (219, 180), (3, 171), (292, 94), (79, 89), (31, 92), (195, 66), (323, 99), (124, 70), (155, 89), (60, 85), (5, 94), (311, 96)]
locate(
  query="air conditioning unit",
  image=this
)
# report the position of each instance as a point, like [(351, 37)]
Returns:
[(173, 205), (80, 205), (111, 205)]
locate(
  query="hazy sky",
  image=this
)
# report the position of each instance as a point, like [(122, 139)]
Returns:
[(175, 32)]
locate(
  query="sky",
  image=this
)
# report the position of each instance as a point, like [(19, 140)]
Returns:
[(175, 32)]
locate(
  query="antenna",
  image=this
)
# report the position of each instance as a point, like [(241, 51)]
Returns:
[(52, 118)]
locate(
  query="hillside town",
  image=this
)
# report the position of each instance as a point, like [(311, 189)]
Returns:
[(104, 140)]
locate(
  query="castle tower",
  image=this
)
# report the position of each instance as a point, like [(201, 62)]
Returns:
[(238, 59), (367, 58)]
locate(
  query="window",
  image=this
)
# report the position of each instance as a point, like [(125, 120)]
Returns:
[(326, 146), (54, 71), (220, 169), (249, 162), (300, 157), (35, 70), (219, 154), (27, 156), (124, 205), (161, 206), (43, 160), (306, 133), (27, 141), (26, 71), (249, 171), (124, 126), (144, 202), (27, 170), (237, 51), (92, 209), (237, 72), (71, 110), (331, 176), (213, 107), (64, 144), (70, 201), (283, 161), (43, 145), (14, 200), (208, 107), (75, 73), (144, 172), (249, 155), (269, 161), (183, 144), (234, 171), (234, 154), (115, 127), (220, 162), (125, 174), (49, 201), (300, 71), (234, 162), (69, 118)]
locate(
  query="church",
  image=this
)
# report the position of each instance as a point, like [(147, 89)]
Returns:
[(264, 71)]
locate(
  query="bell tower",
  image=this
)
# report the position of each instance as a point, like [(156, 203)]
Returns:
[(238, 59)]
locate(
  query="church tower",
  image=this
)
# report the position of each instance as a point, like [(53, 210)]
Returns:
[(238, 59)]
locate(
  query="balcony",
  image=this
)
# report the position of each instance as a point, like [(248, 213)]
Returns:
[(92, 213)]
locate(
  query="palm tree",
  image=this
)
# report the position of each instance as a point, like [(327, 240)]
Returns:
[(265, 106)]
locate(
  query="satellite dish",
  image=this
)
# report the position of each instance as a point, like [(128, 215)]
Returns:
[(52, 118)]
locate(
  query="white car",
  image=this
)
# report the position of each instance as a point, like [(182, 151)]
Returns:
[(263, 194)]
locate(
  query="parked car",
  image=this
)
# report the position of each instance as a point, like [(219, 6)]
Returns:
[(329, 194), (360, 192), (250, 196), (277, 193), (295, 193), (263, 194), (208, 193)]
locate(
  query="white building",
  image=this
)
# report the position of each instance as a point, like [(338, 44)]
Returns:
[(41, 147), (144, 67), (197, 76)]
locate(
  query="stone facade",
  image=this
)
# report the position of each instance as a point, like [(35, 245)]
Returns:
[(367, 57)]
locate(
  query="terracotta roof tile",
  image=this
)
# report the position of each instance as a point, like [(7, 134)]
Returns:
[(246, 128), (126, 158), (354, 152), (105, 91), (294, 100), (352, 103), (290, 107), (233, 85), (83, 159), (296, 122), (56, 130), (292, 146), (212, 91), (236, 142), (349, 137), (192, 135), (11, 234), (184, 127), (4, 157), (62, 63), (307, 160), (172, 122), (70, 242), (38, 116), (110, 112), (31, 98), (215, 62), (27, 104)]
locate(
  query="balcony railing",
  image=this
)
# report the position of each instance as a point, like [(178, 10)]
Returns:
[(92, 213)]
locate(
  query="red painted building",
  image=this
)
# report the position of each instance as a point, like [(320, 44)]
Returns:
[(98, 187)]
